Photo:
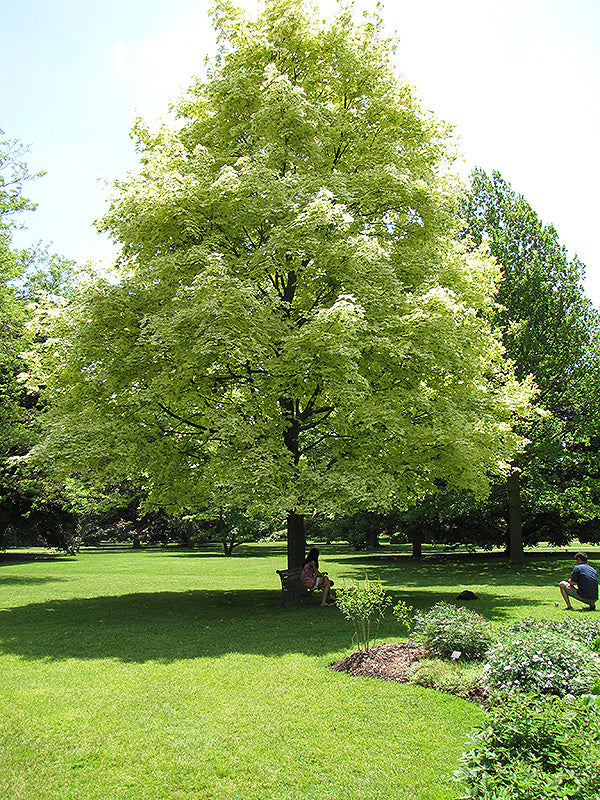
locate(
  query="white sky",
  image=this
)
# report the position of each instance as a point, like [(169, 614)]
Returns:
[(520, 80)]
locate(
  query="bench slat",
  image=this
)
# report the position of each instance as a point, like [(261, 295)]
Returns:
[(291, 585)]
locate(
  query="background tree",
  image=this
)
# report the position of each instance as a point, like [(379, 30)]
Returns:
[(552, 332), (295, 326), (362, 529), (13, 175), (33, 509)]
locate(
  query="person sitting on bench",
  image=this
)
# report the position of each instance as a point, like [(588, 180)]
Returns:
[(313, 579)]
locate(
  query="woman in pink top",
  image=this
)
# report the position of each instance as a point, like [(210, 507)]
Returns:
[(313, 579)]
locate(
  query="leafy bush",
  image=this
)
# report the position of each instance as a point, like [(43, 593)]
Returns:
[(535, 747), (542, 661), (445, 629), (363, 606), (584, 630), (403, 614)]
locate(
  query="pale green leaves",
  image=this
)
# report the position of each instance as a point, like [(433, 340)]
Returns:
[(297, 328)]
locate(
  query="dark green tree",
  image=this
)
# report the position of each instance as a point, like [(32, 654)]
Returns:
[(551, 331)]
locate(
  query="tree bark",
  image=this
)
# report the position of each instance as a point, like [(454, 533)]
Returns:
[(515, 529), (296, 537), (296, 540), (417, 544), (373, 542)]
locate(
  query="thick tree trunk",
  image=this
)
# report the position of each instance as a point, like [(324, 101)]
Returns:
[(296, 540), (373, 541), (515, 530), (417, 544)]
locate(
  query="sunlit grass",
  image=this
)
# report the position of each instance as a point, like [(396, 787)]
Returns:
[(161, 674)]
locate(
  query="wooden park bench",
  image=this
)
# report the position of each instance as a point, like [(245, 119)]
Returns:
[(292, 587)]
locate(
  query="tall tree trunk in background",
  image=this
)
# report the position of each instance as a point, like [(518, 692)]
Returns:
[(373, 542), (417, 543), (515, 529), (296, 540)]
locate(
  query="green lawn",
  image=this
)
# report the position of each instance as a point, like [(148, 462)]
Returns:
[(161, 674)]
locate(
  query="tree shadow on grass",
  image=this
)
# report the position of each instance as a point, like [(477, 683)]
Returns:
[(470, 572), (239, 552), (496, 608), (170, 626), (213, 550), (173, 626), (27, 580), (8, 558)]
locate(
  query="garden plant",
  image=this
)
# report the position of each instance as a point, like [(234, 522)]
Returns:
[(542, 736), (542, 679), (446, 629), (533, 747), (541, 661), (365, 606)]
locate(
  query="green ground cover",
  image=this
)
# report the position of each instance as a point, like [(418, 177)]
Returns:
[(139, 675)]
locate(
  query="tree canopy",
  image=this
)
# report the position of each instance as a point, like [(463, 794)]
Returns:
[(295, 325)]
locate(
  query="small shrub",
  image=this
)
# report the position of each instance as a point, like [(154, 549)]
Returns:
[(364, 606), (445, 629), (541, 661), (454, 677), (403, 614), (535, 747)]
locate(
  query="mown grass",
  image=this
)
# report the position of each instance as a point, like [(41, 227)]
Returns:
[(142, 675)]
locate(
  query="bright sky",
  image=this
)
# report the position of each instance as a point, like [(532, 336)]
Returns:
[(519, 79)]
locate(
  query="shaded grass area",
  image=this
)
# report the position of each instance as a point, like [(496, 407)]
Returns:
[(162, 674)]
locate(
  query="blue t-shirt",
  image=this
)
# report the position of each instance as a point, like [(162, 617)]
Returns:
[(586, 579)]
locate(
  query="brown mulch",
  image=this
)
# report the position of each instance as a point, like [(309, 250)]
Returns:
[(386, 661), (390, 662)]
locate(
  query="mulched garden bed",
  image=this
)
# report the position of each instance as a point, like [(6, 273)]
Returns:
[(386, 661), (390, 662)]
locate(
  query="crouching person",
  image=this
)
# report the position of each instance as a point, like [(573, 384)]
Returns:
[(582, 585)]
